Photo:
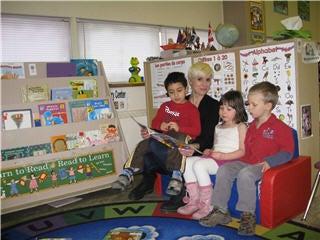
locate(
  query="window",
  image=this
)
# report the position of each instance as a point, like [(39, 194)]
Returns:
[(29, 39), (115, 43)]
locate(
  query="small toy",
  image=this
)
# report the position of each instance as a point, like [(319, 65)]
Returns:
[(134, 70)]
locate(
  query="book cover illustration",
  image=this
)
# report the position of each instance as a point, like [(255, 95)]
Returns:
[(10, 71), (58, 94), (26, 151), (72, 141), (39, 149), (84, 88), (109, 133), (35, 93), (14, 153), (61, 69), (17, 119), (59, 143), (99, 109), (53, 114), (82, 140), (86, 67), (93, 137), (78, 110)]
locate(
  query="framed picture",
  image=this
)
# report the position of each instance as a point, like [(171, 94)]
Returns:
[(17, 119), (280, 7), (306, 121), (256, 17), (304, 10)]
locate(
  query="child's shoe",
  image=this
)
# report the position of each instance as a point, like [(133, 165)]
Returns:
[(191, 199), (215, 217), (124, 180), (175, 186), (247, 224), (205, 206)]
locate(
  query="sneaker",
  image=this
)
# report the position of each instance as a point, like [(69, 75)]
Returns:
[(247, 224), (214, 218), (122, 183), (174, 187)]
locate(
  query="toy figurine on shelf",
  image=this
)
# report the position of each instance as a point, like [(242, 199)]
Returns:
[(134, 70)]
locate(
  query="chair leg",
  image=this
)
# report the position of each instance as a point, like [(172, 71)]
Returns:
[(314, 189)]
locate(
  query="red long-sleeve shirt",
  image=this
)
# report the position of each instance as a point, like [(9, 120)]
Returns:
[(270, 138), (186, 115)]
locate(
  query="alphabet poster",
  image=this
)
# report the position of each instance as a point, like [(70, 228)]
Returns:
[(275, 64)]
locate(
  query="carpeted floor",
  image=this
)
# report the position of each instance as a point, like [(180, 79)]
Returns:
[(142, 218)]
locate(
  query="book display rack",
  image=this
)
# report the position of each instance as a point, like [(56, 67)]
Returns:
[(61, 136)]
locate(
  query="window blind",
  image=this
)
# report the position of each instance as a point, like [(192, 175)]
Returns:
[(115, 43), (28, 39)]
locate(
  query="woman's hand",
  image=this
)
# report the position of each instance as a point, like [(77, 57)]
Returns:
[(144, 133)]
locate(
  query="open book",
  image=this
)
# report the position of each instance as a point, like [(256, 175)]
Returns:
[(167, 140)]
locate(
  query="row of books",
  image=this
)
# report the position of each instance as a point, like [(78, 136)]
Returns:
[(56, 113), (76, 67), (106, 133), (77, 89)]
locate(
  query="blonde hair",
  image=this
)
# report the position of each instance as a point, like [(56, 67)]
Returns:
[(199, 68)]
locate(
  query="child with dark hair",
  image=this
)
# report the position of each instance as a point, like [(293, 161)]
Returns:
[(177, 118), (228, 145), (268, 143)]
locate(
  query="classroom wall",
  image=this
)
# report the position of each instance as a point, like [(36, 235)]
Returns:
[(273, 19), (178, 14)]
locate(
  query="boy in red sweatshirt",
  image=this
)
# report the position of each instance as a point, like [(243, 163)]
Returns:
[(177, 118)]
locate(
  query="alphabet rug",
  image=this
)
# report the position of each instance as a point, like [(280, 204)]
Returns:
[(141, 220)]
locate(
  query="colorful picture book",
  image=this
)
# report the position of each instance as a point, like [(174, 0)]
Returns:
[(58, 94), (35, 93), (14, 153), (53, 114), (10, 71), (61, 69), (169, 141), (86, 67), (99, 109), (110, 133), (78, 110), (84, 88), (59, 143), (107, 133), (17, 119), (27, 151)]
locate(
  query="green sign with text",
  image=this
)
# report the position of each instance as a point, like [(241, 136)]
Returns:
[(53, 174)]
